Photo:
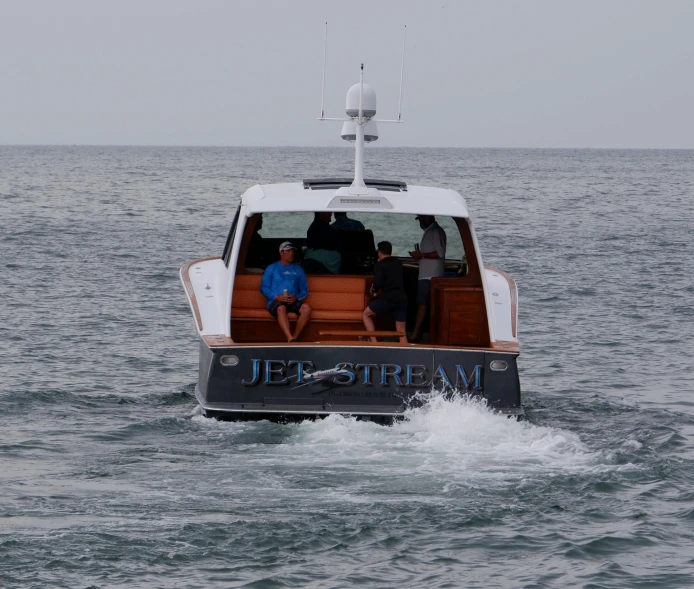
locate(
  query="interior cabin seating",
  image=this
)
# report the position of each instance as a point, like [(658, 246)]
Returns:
[(337, 303), (458, 314)]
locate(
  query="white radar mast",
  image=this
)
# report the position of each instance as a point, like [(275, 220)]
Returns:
[(361, 125)]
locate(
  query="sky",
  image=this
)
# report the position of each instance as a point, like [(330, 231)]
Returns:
[(483, 73)]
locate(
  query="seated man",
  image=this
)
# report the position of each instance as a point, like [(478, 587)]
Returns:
[(285, 287), (393, 299)]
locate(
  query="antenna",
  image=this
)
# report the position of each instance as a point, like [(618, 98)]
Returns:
[(325, 54), (402, 74), (322, 116), (358, 181), (361, 93), (402, 71), (360, 124)]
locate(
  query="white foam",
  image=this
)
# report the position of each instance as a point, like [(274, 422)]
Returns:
[(457, 437), (444, 446)]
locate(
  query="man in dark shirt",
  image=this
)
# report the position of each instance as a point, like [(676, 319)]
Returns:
[(254, 257), (322, 246), (342, 222), (393, 299)]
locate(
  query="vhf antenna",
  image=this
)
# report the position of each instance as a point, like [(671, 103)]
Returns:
[(402, 71), (325, 55)]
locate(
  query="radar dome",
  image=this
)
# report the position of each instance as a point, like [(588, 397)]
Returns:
[(368, 105)]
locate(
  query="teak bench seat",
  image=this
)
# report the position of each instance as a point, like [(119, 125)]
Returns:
[(337, 303)]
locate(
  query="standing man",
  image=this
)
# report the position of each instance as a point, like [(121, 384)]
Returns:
[(285, 287), (342, 221), (432, 261), (322, 246), (254, 255), (388, 280)]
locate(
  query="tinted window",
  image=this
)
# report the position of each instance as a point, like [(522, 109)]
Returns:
[(402, 231)]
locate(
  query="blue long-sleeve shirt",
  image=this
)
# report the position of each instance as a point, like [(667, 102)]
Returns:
[(279, 276)]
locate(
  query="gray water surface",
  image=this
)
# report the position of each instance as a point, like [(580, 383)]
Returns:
[(111, 478)]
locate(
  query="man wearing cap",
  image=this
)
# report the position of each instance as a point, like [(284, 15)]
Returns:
[(432, 262), (285, 287)]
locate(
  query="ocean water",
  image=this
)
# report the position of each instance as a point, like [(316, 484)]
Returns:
[(111, 477)]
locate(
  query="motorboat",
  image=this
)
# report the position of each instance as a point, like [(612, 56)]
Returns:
[(249, 370)]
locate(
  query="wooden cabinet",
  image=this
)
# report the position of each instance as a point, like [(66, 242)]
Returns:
[(458, 314)]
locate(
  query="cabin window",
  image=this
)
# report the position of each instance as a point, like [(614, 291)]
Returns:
[(226, 255), (457, 313), (358, 248)]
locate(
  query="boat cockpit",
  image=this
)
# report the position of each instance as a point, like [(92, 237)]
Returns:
[(457, 314)]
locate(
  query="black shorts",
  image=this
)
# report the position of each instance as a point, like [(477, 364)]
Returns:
[(295, 307), (380, 307), (423, 292)]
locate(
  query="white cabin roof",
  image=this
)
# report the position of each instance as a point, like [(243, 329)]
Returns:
[(295, 196)]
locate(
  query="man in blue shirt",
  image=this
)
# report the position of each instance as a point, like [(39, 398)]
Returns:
[(285, 287)]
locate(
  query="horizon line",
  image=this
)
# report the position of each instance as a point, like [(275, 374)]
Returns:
[(251, 146)]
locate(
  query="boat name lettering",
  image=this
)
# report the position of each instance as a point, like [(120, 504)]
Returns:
[(298, 373)]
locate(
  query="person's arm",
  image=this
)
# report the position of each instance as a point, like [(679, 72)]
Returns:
[(440, 244), (334, 238), (427, 255), (266, 283), (378, 278), (311, 237)]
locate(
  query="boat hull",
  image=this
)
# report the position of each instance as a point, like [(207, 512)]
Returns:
[(281, 382)]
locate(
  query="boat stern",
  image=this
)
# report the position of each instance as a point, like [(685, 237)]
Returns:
[(365, 381)]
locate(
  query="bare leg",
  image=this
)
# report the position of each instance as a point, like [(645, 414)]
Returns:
[(421, 315), (304, 316), (368, 321), (400, 326), (283, 320)]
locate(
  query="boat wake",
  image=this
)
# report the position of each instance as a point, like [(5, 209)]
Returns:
[(449, 443), (462, 428)]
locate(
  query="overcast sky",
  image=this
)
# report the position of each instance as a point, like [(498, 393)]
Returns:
[(549, 73)]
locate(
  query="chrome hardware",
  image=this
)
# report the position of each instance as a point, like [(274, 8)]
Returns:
[(498, 365)]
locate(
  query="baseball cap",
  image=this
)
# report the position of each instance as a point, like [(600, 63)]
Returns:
[(287, 245)]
